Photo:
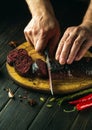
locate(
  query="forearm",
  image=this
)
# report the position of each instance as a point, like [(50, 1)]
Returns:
[(38, 7), (88, 16)]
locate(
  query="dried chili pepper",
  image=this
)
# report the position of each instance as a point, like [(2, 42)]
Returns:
[(80, 106), (83, 105), (83, 99)]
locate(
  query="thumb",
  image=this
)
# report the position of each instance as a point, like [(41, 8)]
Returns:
[(41, 44)]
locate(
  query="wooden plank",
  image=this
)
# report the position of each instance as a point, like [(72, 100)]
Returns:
[(18, 114), (5, 83), (15, 114), (89, 120), (83, 121), (53, 119)]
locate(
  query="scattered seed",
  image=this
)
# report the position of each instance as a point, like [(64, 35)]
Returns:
[(20, 96), (42, 99), (52, 99), (49, 105)]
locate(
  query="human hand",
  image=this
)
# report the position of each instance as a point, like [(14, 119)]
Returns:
[(74, 44), (43, 30)]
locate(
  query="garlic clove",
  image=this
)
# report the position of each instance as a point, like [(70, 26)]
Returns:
[(10, 93)]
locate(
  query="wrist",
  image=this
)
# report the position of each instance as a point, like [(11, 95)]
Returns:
[(87, 24), (38, 7)]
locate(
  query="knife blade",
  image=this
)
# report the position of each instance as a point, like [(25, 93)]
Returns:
[(49, 70)]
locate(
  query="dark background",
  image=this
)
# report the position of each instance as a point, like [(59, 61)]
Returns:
[(67, 11), (13, 9), (70, 12)]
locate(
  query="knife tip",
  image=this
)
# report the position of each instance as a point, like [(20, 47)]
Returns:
[(52, 93)]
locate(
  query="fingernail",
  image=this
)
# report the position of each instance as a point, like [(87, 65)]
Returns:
[(57, 57), (69, 61), (77, 58), (62, 61)]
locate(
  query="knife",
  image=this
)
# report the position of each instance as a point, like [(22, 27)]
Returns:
[(49, 70)]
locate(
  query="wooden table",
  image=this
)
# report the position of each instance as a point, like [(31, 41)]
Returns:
[(17, 114)]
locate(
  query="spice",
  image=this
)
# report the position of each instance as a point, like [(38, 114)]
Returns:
[(80, 106), (52, 99), (32, 102), (83, 99), (42, 99), (13, 44), (24, 97), (72, 96), (20, 96), (49, 105), (10, 93)]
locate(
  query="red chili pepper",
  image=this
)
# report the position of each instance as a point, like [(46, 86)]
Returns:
[(83, 105), (83, 99)]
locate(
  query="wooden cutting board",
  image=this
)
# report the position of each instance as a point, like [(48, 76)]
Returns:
[(59, 86)]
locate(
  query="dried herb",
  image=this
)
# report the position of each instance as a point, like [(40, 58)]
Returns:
[(13, 44)]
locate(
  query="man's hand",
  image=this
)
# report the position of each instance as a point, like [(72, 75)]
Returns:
[(76, 40), (74, 44), (43, 28)]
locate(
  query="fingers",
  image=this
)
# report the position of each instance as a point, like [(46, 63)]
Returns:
[(41, 44), (83, 50), (65, 47), (41, 38), (73, 45), (28, 34), (75, 48), (61, 44), (27, 37)]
